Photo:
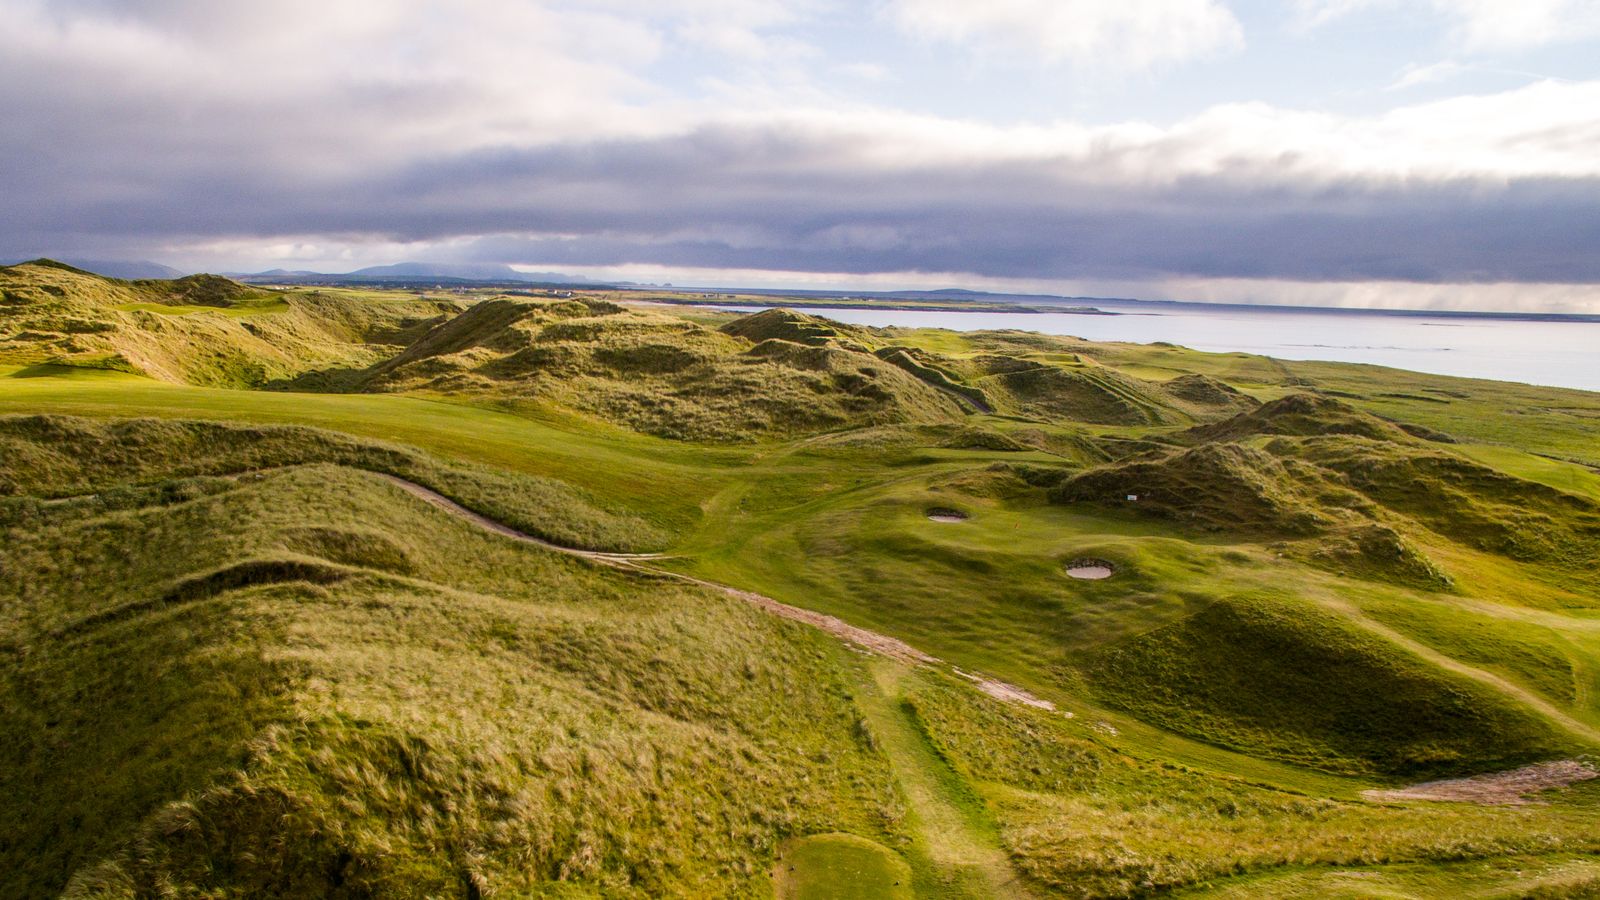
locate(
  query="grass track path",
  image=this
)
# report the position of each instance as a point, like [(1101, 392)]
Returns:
[(875, 642), (1516, 692), (962, 850)]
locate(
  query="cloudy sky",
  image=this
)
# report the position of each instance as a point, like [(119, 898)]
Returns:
[(1421, 153)]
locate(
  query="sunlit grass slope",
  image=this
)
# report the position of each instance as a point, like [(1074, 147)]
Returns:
[(310, 684), (660, 481), (1085, 821), (52, 456), (1230, 639), (660, 374), (202, 330)]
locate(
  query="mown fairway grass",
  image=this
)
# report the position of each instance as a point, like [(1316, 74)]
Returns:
[(840, 867), (659, 480), (991, 594), (1564, 476), (954, 848)]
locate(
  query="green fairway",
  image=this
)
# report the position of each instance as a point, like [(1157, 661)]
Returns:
[(656, 479), (794, 522), (841, 867)]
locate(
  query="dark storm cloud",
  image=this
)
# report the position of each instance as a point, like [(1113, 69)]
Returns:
[(773, 199)]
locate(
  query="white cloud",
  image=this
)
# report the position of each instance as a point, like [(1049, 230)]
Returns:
[(318, 254), (1483, 25), (1316, 13), (1547, 129), (390, 82), (744, 43), (1569, 299), (1520, 24), (1124, 35), (426, 74)]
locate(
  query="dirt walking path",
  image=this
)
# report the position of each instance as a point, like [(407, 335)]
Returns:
[(871, 641), (1502, 788)]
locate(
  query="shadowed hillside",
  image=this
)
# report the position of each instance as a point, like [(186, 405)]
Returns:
[(1239, 673), (1300, 415), (60, 457), (1318, 485), (659, 374)]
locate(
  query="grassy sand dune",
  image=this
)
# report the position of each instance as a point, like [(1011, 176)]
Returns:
[(425, 724), (267, 622)]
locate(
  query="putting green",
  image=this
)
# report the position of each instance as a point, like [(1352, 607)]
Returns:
[(840, 867)]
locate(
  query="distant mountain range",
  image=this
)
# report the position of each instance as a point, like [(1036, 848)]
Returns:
[(418, 271), (460, 273), (130, 270)]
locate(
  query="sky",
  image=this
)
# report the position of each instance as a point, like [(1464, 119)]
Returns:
[(1385, 153)]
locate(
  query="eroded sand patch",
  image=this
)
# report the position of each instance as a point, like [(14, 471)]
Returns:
[(1008, 693), (1090, 569), (947, 516), (1510, 788)]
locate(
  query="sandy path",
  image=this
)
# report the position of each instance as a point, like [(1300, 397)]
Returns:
[(434, 498), (1507, 788), (1504, 787), (871, 641)]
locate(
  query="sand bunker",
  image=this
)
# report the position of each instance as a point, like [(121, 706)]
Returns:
[(1508, 788), (947, 516), (1090, 569)]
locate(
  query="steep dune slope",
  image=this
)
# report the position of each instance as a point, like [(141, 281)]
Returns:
[(358, 695), (662, 375), (201, 330)]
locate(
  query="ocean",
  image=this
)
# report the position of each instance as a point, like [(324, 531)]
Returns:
[(1542, 351)]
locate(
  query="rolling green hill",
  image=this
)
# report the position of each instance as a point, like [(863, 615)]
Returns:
[(201, 330), (659, 374), (373, 594), (331, 703)]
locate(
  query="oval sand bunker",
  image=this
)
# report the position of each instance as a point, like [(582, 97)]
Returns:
[(948, 516), (1090, 569)]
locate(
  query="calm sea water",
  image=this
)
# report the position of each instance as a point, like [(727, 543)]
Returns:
[(1560, 354)]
